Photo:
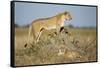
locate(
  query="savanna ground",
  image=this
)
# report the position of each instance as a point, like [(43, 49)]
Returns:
[(80, 46)]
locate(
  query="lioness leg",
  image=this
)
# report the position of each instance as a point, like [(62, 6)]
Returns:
[(40, 32)]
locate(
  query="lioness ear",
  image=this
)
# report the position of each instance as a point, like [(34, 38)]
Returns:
[(65, 12)]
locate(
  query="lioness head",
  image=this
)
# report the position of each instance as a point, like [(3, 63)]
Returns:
[(67, 15)]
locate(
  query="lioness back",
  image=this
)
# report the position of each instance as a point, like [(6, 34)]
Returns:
[(46, 23)]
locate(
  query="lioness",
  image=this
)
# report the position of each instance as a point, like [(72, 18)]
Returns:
[(37, 26)]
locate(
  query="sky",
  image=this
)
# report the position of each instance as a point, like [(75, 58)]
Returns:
[(82, 16)]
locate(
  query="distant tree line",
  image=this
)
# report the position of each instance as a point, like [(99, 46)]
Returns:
[(16, 25), (24, 26), (83, 27), (70, 26)]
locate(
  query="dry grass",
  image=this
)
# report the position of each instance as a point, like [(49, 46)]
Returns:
[(46, 51)]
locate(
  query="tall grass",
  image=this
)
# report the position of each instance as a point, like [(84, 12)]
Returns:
[(80, 46)]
